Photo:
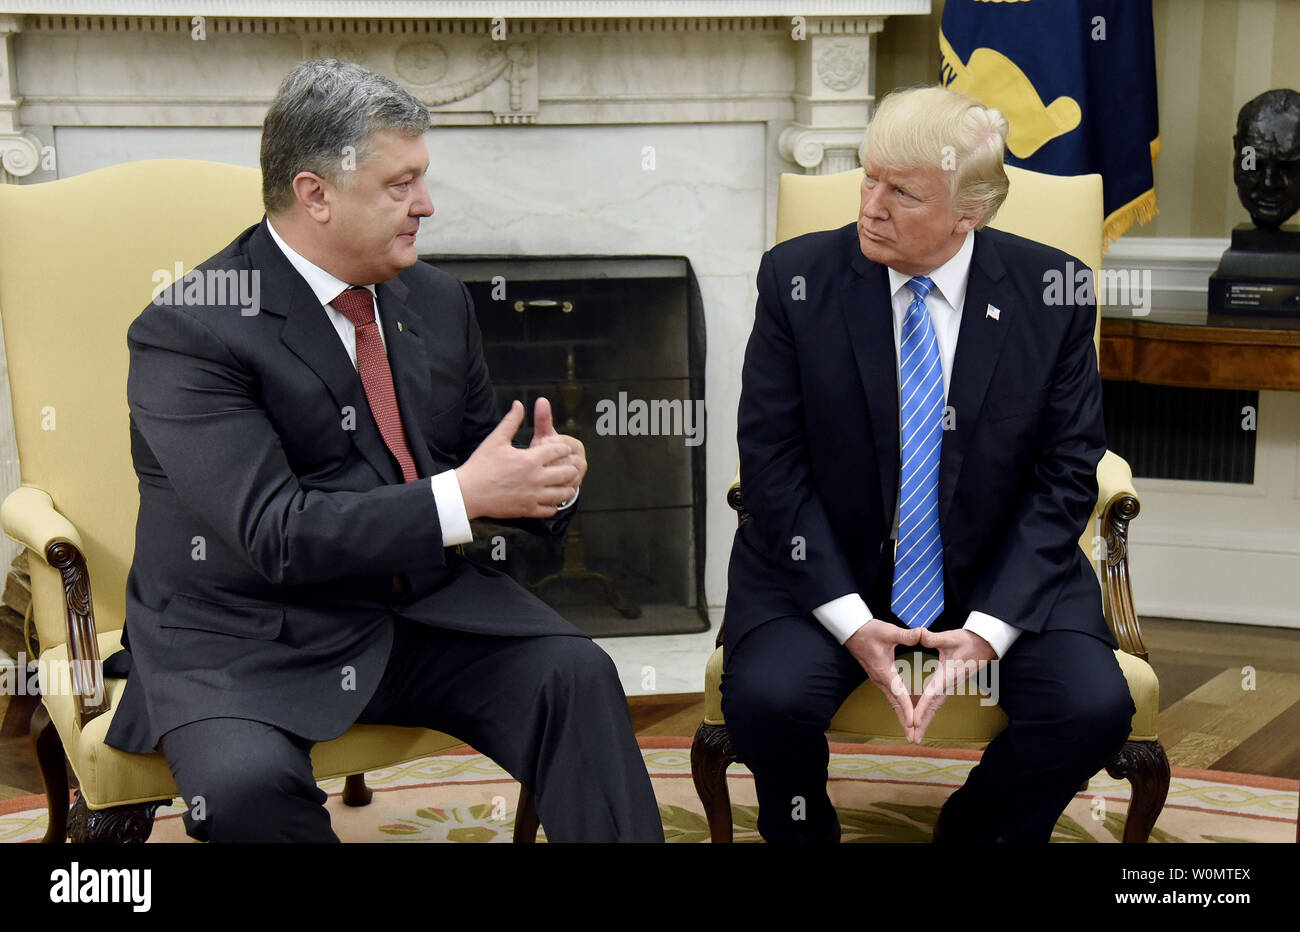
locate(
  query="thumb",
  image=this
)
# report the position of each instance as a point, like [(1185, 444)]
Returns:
[(910, 637), (543, 423), (509, 426), (940, 639)]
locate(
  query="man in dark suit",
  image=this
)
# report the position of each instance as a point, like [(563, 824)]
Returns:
[(919, 429), (307, 465)]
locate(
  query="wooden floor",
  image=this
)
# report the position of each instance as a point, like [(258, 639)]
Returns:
[(1210, 716)]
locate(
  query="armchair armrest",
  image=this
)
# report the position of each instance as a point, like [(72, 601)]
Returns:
[(1117, 505), (733, 496), (29, 517), (1114, 480)]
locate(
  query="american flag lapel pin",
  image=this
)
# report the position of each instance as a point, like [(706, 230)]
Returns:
[(993, 312)]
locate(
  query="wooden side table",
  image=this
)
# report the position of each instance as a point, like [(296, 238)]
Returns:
[(1186, 350)]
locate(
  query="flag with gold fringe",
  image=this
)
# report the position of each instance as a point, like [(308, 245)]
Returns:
[(1076, 80)]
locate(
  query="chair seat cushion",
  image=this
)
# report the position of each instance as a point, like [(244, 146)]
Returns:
[(110, 777), (866, 714)]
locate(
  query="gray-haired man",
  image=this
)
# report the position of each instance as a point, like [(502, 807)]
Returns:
[(330, 449)]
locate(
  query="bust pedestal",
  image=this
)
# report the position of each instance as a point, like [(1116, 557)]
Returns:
[(1259, 274)]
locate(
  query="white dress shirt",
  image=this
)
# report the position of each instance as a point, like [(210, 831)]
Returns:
[(845, 615), (452, 516)]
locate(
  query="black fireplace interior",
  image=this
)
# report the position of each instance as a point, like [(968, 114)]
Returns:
[(603, 338)]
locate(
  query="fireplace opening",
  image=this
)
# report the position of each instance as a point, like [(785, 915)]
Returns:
[(617, 346)]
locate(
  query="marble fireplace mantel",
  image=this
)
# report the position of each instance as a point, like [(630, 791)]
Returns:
[(557, 128), (152, 62)]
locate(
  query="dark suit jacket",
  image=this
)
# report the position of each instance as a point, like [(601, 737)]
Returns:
[(268, 532), (819, 441)]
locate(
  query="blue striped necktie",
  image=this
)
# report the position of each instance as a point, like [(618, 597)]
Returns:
[(918, 564)]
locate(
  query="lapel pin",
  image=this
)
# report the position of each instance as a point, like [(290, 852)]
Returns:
[(399, 326), (992, 312)]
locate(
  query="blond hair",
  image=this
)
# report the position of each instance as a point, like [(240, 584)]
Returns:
[(919, 126)]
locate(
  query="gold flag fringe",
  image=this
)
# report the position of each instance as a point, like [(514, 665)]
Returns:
[(1142, 209)]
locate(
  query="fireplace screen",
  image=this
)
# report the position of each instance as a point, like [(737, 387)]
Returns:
[(617, 346)]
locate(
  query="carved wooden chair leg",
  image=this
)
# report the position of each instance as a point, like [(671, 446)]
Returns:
[(526, 821), (1144, 765), (54, 773), (115, 825), (711, 754), (355, 791)]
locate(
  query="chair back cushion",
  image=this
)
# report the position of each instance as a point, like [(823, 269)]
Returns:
[(80, 258)]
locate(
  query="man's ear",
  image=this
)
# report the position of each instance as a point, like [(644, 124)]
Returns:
[(967, 222), (310, 190)]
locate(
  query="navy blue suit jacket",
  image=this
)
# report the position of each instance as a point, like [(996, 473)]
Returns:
[(818, 434)]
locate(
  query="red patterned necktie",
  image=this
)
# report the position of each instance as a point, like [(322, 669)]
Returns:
[(356, 304)]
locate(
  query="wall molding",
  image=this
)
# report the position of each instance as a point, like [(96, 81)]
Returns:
[(474, 9), (1195, 611), (1180, 268), (815, 17), (1229, 541)]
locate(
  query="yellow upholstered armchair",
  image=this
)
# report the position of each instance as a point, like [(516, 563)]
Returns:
[(78, 259), (1065, 212)]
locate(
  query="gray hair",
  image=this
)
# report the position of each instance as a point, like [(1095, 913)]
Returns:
[(324, 105)]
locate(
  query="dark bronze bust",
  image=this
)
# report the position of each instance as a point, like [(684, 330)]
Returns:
[(1266, 165), (1257, 283)]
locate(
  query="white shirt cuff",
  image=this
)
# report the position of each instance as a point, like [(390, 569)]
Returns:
[(451, 509), (843, 616), (572, 500), (997, 632)]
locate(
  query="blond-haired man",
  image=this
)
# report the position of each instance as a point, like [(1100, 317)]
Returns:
[(919, 430)]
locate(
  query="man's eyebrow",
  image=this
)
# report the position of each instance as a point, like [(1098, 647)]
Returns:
[(414, 170)]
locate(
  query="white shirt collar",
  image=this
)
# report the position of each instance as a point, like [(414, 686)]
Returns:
[(950, 278), (324, 285)]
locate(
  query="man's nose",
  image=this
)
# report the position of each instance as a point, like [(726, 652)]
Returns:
[(423, 204), (872, 206)]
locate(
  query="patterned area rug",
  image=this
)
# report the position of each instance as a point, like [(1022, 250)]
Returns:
[(882, 794)]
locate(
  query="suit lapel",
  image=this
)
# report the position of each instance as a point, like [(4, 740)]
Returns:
[(308, 333), (979, 342), (868, 315)]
